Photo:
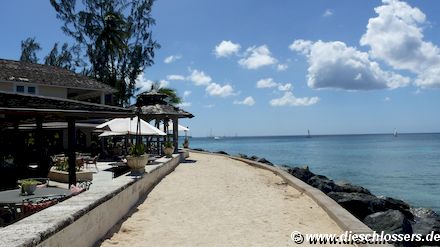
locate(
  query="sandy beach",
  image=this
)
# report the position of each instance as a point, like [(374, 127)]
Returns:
[(216, 201)]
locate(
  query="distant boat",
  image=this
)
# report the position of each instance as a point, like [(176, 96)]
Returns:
[(395, 133), (217, 138), (308, 134)]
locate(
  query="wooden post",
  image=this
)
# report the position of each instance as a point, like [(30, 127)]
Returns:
[(176, 135), (71, 133), (39, 144)]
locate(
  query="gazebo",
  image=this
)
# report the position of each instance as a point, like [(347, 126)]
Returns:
[(16, 109), (153, 106)]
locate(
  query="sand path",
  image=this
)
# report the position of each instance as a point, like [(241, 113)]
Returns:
[(217, 201)]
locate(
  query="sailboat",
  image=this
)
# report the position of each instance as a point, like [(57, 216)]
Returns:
[(395, 133), (308, 134)]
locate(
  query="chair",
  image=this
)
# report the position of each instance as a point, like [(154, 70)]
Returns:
[(93, 161)]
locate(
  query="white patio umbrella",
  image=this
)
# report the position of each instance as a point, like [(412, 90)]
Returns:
[(170, 127), (128, 126)]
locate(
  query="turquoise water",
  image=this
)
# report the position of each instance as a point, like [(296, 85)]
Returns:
[(406, 167)]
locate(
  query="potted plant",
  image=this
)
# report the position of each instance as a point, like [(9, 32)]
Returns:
[(168, 149), (60, 171), (186, 143), (28, 186), (137, 159)]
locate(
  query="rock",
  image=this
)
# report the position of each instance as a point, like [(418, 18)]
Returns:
[(199, 149), (403, 207), (359, 204), (390, 221), (221, 152), (265, 161), (425, 222), (253, 157), (243, 156), (323, 183), (347, 187), (303, 173)]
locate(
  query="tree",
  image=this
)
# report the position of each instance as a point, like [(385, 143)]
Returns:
[(173, 98), (116, 38), (29, 48), (63, 59)]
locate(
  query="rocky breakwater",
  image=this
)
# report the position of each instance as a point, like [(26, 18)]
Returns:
[(379, 213)]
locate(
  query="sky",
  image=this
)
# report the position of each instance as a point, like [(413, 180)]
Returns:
[(254, 68)]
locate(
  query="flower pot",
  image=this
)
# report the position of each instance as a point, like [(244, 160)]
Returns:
[(168, 151), (137, 163), (29, 189)]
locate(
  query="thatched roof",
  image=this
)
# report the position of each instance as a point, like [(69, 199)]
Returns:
[(159, 110), (17, 71)]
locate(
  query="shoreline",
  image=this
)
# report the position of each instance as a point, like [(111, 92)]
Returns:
[(380, 213)]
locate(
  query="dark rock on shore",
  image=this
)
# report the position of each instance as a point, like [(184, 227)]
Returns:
[(359, 204), (221, 152), (243, 156), (390, 221), (425, 222), (303, 173), (199, 149), (265, 161), (323, 183), (253, 157), (347, 187)]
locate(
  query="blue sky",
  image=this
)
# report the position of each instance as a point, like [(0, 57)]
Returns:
[(281, 67)]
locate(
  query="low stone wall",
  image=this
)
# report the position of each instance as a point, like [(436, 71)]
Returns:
[(84, 219)]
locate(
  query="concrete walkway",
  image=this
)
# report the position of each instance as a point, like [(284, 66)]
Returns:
[(216, 201)]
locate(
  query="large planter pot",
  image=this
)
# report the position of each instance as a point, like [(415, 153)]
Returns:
[(137, 163), (29, 189), (63, 177), (168, 151)]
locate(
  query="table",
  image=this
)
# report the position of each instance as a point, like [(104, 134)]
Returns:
[(14, 196)]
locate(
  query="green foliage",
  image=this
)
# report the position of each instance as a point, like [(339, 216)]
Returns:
[(137, 149), (168, 145), (64, 59), (29, 48), (28, 182), (116, 37)]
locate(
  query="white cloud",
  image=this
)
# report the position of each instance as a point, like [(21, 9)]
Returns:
[(186, 93), (143, 83), (336, 65), (395, 36), (285, 87), (387, 99), (209, 106), (172, 59), (184, 104), (289, 99), (215, 89), (164, 83), (266, 83), (257, 57), (199, 78), (226, 48), (327, 13), (175, 77), (247, 101), (282, 67)]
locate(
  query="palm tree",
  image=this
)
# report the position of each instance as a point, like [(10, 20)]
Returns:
[(172, 99)]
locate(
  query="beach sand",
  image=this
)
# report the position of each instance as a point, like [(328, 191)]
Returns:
[(216, 201)]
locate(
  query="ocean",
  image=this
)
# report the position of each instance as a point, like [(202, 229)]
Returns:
[(405, 167)]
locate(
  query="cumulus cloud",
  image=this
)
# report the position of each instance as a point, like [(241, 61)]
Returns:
[(387, 99), (226, 48), (327, 13), (256, 57), (199, 78), (285, 87), (215, 89), (396, 37), (186, 93), (288, 99), (266, 83), (175, 77), (336, 65), (249, 101), (184, 104), (172, 59), (282, 67), (142, 83)]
